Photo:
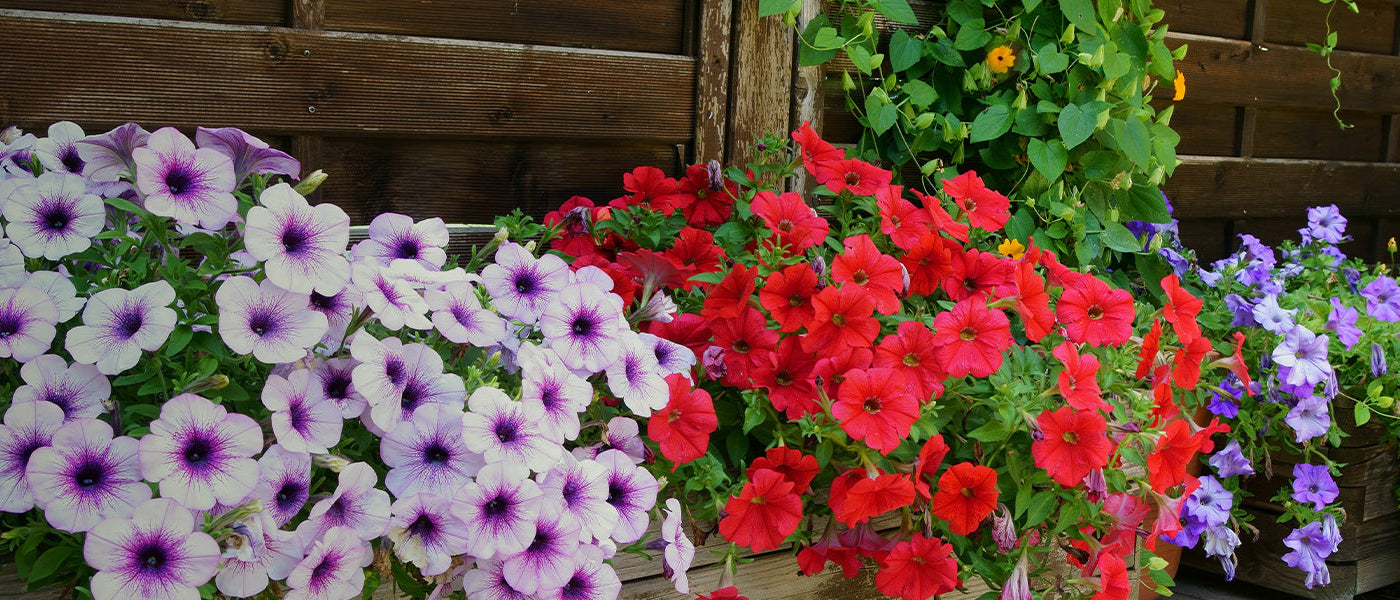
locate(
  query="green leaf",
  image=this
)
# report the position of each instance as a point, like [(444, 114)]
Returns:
[(768, 8), (753, 416), (1049, 60), (921, 94), (1041, 506), (126, 205), (179, 338), (879, 113), (860, 57), (1361, 413), (1130, 39), (971, 38), (945, 53), (896, 10), (48, 563), (993, 431), (1117, 237), (964, 11), (905, 51), (827, 37), (1133, 140), (1023, 499), (1076, 125), (1081, 13), (1021, 225), (991, 123), (1048, 158), (1030, 4), (808, 54), (1162, 65), (1142, 203)]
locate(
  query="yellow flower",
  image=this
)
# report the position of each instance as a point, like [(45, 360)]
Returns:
[(1180, 84), (1391, 245), (1001, 59), (1012, 249)]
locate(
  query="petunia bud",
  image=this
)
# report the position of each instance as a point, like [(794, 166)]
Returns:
[(217, 381), (335, 463), (1378, 366), (713, 361), (1017, 586), (1096, 485), (311, 182), (716, 175), (1003, 529), (501, 236)]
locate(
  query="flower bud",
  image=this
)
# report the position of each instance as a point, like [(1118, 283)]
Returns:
[(713, 361), (501, 236), (310, 182), (1378, 365), (1003, 529), (217, 381), (334, 462)]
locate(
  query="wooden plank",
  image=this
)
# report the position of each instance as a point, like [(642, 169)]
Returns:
[(1300, 22), (808, 94), (760, 80), (1238, 73), (328, 83), (309, 149), (248, 12), (636, 25), (1220, 18), (712, 80), (1213, 187), (13, 588), (1205, 129), (1315, 135), (1207, 237)]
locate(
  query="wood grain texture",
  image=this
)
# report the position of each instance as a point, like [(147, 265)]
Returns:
[(1220, 18), (1205, 129), (1211, 187), (1315, 135), (1300, 22), (636, 25), (712, 80), (327, 83), (248, 12), (1206, 236), (760, 78)]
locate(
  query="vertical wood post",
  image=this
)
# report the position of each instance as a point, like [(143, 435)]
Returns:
[(309, 149), (808, 91), (760, 94), (712, 80)]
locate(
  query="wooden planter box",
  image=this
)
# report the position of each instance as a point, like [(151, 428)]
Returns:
[(1369, 555)]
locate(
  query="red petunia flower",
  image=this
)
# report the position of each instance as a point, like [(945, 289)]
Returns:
[(918, 569), (731, 297), (1181, 309), (797, 225), (764, 513), (971, 339), (1079, 382), (816, 152), (695, 252), (1168, 521), (900, 219), (1151, 343), (910, 352), (873, 405), (1072, 444), (928, 263), (880, 275), (1032, 303), (1095, 314), (867, 498), (842, 316), (748, 345), (812, 559), (942, 221), (1186, 363), (986, 209), (623, 284), (797, 467), (650, 187), (682, 428), (708, 198), (575, 218), (787, 296), (1113, 578), (788, 379), (1235, 363), (858, 176), (831, 369), (725, 593), (930, 458), (1177, 447), (974, 273), (687, 329), (966, 494)]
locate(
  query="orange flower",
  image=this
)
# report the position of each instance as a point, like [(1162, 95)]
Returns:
[(1179, 83), (966, 494), (1001, 59)]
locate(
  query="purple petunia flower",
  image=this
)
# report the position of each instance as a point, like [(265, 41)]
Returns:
[(59, 152), (383, 366), (79, 390), (302, 246), (670, 356), (339, 309), (118, 324), (547, 563), (580, 490), (623, 434), (86, 476), (284, 483), (249, 154), (333, 569), (458, 315), (1269, 315), (1226, 404), (550, 388), (27, 319), (1309, 418), (53, 216), (12, 273), (1325, 223), (263, 552), (426, 533), (338, 384), (1211, 502), (501, 429), (635, 377), (303, 420), (424, 384), (1353, 278), (1305, 355), (1230, 461), (60, 289), (582, 325), (1378, 366), (394, 236), (394, 301), (1333, 253), (1310, 545), (632, 491), (1314, 483), (680, 552), (592, 579), (356, 503), (499, 508), (488, 582), (1257, 251), (272, 324), (1342, 321), (109, 155), (1382, 299), (194, 187), (1221, 541), (200, 453), (155, 555), (429, 453), (27, 428), (521, 286)]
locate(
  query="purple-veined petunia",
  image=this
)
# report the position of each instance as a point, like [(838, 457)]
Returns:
[(393, 236), (1342, 321), (60, 289), (458, 315), (1304, 353), (336, 377), (680, 551), (339, 309), (303, 419), (302, 246), (394, 301), (1220, 541), (1273, 317), (272, 324), (109, 155), (488, 582), (79, 390), (632, 491), (118, 324), (499, 509), (382, 368), (194, 187), (501, 429), (549, 387), (670, 356), (333, 568), (284, 483), (27, 319), (635, 377), (1382, 299), (592, 579), (547, 562), (579, 488), (582, 325), (522, 286), (623, 434), (428, 454), (200, 453), (356, 503), (27, 428), (426, 533), (249, 154), (16, 151), (59, 152), (155, 555), (424, 384), (1309, 418), (12, 273), (86, 476), (260, 552), (1313, 483), (53, 216)]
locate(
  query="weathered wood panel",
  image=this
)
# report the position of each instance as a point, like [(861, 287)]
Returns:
[(1205, 129), (1206, 187), (1220, 18), (249, 12), (712, 80), (760, 92), (335, 83), (1301, 22), (1315, 134), (639, 25)]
